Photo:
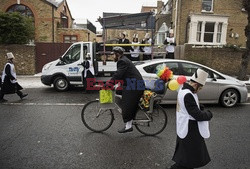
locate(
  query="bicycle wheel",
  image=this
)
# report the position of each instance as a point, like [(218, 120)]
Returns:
[(158, 121), (96, 118)]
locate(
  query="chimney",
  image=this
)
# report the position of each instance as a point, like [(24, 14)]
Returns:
[(160, 5)]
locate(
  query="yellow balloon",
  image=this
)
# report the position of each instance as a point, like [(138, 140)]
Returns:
[(173, 85)]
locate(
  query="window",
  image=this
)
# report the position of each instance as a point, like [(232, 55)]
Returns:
[(219, 30), (69, 38), (209, 32), (207, 29), (189, 69), (24, 10), (73, 54), (198, 36), (207, 5), (171, 65)]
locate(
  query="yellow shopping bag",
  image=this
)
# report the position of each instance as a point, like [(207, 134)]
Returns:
[(106, 96)]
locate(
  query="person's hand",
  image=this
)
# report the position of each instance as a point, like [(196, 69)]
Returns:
[(209, 114), (202, 107)]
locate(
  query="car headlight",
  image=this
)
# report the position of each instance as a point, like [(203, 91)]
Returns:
[(47, 66), (241, 83)]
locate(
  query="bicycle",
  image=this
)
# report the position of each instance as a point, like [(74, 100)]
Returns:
[(99, 117)]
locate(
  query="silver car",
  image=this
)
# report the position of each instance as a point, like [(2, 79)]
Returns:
[(219, 88)]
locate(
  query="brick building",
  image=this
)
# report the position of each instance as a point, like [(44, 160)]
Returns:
[(208, 22), (52, 19)]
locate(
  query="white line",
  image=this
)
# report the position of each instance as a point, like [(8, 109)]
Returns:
[(45, 104)]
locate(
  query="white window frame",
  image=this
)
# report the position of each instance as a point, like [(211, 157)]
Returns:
[(203, 19), (212, 6)]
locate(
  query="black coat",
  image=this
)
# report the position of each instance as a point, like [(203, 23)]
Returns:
[(191, 151), (133, 87), (8, 87)]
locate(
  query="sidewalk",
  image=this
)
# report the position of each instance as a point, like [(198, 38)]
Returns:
[(31, 81)]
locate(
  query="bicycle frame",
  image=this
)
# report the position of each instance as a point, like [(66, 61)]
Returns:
[(115, 106)]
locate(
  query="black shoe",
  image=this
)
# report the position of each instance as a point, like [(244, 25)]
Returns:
[(3, 100), (123, 130), (23, 95)]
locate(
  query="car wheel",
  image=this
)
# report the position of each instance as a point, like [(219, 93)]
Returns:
[(229, 98), (61, 84)]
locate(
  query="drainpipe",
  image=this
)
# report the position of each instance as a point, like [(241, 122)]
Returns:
[(176, 20), (53, 24)]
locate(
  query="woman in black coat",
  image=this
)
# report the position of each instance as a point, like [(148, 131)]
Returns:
[(133, 87)]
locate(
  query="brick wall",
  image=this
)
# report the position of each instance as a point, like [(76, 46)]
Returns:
[(232, 8), (82, 34), (24, 58), (224, 60), (43, 17)]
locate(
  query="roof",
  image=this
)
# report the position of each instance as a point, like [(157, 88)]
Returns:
[(56, 3), (127, 21)]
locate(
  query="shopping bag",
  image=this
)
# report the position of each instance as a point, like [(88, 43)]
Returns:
[(106, 96)]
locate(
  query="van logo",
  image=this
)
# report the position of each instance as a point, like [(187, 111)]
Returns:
[(73, 69)]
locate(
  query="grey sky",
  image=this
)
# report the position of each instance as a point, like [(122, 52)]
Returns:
[(92, 9)]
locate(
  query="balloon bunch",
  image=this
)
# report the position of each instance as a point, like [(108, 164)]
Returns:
[(165, 74)]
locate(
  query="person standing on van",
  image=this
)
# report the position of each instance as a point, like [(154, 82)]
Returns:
[(124, 40), (9, 80), (147, 55), (191, 125), (135, 53), (88, 72), (170, 45)]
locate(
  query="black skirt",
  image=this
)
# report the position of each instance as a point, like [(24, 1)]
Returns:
[(10, 88), (130, 101), (191, 151)]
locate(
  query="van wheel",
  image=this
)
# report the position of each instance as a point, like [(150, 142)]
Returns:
[(229, 98), (61, 84)]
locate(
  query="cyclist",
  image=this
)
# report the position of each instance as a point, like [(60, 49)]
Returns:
[(132, 87)]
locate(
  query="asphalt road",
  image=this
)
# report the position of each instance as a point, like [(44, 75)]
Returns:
[(45, 131)]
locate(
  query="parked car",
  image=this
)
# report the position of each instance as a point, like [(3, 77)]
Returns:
[(219, 88)]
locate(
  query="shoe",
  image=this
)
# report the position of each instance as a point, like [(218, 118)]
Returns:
[(24, 95), (123, 130), (3, 100)]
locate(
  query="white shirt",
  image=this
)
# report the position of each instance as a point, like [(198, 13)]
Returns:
[(135, 53), (148, 49), (170, 48)]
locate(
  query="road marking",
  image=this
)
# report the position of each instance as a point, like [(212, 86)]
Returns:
[(45, 104)]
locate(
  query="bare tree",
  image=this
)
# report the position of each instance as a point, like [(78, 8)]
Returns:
[(246, 54)]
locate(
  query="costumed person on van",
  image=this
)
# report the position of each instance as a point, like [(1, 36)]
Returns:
[(147, 55), (170, 45), (135, 53), (9, 80), (192, 125), (127, 72), (124, 40)]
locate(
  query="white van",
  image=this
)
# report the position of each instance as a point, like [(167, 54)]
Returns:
[(67, 70)]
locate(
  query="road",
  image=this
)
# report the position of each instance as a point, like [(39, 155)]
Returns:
[(45, 131)]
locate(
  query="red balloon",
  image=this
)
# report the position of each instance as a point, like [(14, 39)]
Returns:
[(181, 79)]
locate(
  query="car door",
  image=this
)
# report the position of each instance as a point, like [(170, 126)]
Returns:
[(72, 61), (210, 91)]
